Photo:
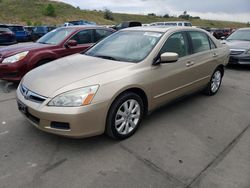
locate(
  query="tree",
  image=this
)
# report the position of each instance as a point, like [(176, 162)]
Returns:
[(50, 11), (151, 14), (166, 16), (108, 15), (185, 15)]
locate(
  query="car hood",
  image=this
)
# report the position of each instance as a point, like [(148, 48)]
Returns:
[(49, 78), (237, 44), (17, 48)]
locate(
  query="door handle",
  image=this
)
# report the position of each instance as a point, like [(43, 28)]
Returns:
[(189, 64), (215, 55)]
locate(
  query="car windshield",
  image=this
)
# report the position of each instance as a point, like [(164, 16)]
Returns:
[(129, 46), (240, 35), (56, 36)]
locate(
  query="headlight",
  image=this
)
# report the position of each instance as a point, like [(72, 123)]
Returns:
[(15, 58), (75, 98)]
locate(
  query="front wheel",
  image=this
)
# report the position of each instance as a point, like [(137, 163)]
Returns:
[(215, 83), (125, 116)]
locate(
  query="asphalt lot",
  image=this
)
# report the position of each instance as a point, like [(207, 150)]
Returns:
[(197, 142)]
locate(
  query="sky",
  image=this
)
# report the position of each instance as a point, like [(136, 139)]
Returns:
[(231, 10)]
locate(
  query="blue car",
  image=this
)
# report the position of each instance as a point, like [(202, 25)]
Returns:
[(20, 33)]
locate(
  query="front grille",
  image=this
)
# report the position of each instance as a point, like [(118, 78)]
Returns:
[(236, 52), (29, 95)]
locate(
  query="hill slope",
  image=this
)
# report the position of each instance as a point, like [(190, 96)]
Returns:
[(31, 11)]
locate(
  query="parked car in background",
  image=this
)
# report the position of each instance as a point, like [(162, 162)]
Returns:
[(7, 37), (40, 31), (239, 43), (79, 22), (220, 33), (115, 83), (20, 33), (29, 30), (127, 24), (17, 60), (174, 23)]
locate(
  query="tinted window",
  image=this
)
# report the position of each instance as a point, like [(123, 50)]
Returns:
[(179, 24), (176, 43), (84, 37), (101, 33), (200, 41), (187, 24)]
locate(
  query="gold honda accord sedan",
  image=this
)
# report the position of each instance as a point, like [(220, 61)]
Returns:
[(110, 87)]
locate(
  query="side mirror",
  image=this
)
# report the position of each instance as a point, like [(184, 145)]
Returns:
[(223, 38), (169, 57), (71, 43)]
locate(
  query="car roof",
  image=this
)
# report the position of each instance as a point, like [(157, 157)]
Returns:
[(246, 28), (163, 29), (85, 27)]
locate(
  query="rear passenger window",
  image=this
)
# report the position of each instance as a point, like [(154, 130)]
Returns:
[(200, 41), (101, 33), (176, 43), (83, 37)]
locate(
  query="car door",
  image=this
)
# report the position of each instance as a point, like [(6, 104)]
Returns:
[(172, 80), (84, 39), (204, 57)]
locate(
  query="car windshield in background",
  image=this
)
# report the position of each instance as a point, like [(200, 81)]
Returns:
[(40, 29), (129, 46), (4, 30), (240, 35), (16, 28), (56, 36)]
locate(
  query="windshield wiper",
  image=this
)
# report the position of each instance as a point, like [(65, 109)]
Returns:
[(107, 57), (42, 42)]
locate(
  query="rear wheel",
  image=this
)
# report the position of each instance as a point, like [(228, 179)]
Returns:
[(125, 116), (215, 82)]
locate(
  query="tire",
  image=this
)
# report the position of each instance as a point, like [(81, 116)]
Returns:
[(122, 123), (215, 83)]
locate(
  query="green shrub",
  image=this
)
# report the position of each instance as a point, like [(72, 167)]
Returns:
[(50, 11)]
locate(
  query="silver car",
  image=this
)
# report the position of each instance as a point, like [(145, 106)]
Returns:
[(239, 43)]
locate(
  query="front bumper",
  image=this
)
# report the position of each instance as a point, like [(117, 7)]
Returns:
[(80, 122), (12, 72), (241, 59)]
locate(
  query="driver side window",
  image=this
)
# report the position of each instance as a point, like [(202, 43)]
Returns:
[(176, 43)]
